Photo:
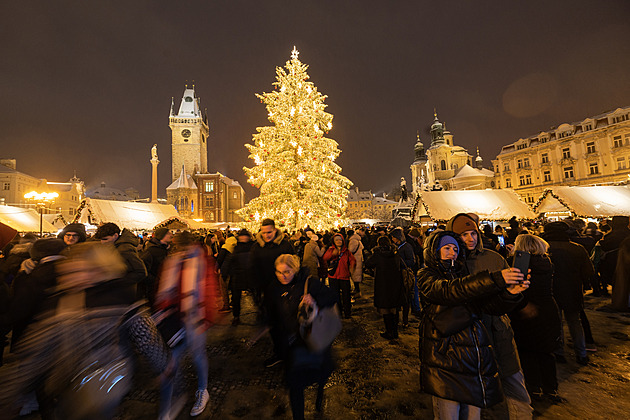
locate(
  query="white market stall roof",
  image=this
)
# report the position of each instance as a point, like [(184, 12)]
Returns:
[(597, 201), (24, 220), (487, 204), (126, 214)]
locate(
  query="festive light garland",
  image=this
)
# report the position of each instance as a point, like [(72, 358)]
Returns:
[(554, 195), (300, 183)]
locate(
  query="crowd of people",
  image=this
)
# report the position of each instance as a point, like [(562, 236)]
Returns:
[(75, 306)]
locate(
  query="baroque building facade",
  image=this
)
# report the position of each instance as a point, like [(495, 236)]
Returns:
[(365, 205), (447, 166), (593, 151), (196, 193)]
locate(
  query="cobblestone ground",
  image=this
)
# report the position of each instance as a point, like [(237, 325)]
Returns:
[(376, 379)]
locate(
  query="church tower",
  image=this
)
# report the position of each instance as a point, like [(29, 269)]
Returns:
[(189, 136), (419, 166)]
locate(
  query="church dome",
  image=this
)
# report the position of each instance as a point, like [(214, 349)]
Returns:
[(107, 193)]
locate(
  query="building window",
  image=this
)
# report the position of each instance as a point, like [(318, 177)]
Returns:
[(209, 186), (621, 163), (443, 165), (547, 175), (568, 172), (508, 183), (521, 180), (71, 211), (543, 139), (544, 158), (521, 146), (620, 118), (235, 195), (617, 141), (506, 167), (566, 153), (7, 186), (211, 218), (526, 163), (593, 168), (587, 127), (530, 199), (590, 147), (519, 164), (564, 134), (208, 201)]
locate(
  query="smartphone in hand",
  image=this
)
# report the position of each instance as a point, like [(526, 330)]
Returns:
[(521, 261)]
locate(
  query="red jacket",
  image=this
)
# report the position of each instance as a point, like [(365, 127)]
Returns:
[(346, 263)]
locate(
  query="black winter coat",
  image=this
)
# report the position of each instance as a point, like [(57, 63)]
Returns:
[(127, 245), (29, 292), (238, 266), (153, 257), (264, 257), (388, 282), (572, 269), (535, 321), (460, 366)]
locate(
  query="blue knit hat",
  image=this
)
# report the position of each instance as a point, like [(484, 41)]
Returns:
[(447, 239)]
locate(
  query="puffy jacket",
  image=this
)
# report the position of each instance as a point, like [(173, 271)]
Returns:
[(457, 361), (346, 260), (264, 256)]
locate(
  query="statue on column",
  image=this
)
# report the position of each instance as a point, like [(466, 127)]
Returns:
[(154, 155), (403, 189)]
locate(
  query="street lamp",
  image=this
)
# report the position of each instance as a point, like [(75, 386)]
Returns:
[(41, 199)]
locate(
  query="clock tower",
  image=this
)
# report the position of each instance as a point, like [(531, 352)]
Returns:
[(189, 136)]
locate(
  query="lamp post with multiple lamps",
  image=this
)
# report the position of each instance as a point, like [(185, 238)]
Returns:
[(41, 200)]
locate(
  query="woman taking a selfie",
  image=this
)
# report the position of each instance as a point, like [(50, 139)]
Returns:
[(457, 364)]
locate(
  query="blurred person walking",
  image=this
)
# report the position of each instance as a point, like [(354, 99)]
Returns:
[(184, 287)]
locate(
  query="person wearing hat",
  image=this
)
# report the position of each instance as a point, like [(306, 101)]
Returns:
[(500, 332), (572, 269), (238, 267), (153, 257), (312, 253), (73, 233), (457, 362)]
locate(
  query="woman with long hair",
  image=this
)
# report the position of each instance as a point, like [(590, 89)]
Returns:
[(536, 322)]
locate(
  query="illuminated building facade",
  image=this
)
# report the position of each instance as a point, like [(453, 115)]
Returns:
[(195, 193), (447, 166), (594, 151)]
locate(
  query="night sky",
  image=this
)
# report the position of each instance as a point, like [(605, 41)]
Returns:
[(87, 86)]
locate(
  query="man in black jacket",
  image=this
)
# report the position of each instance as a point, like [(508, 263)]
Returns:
[(572, 269), (126, 244), (153, 256), (270, 244)]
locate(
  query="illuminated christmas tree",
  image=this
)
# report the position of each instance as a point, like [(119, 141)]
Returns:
[(300, 183)]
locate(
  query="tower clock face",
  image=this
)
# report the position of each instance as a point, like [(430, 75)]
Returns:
[(186, 133)]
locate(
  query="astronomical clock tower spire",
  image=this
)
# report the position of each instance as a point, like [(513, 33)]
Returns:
[(189, 136)]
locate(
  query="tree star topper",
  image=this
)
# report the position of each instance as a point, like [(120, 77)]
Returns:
[(294, 53)]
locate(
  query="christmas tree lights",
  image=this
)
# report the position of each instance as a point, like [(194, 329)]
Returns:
[(300, 183)]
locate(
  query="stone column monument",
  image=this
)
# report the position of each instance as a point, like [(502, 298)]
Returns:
[(154, 163)]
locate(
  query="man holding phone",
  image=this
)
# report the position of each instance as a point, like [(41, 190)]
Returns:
[(479, 259)]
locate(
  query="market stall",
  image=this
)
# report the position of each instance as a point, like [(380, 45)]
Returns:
[(587, 202), (24, 220), (126, 214), (495, 205)]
